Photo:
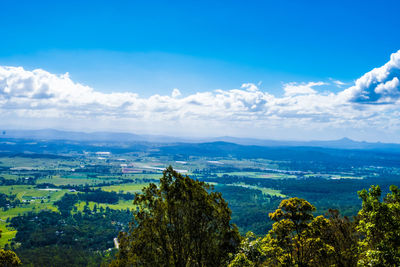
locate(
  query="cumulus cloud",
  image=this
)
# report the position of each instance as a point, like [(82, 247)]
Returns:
[(389, 88), (380, 85), (372, 102)]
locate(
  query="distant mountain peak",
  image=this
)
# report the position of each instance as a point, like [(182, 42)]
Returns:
[(346, 139)]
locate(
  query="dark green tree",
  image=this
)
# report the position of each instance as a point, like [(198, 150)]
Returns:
[(181, 222), (342, 235), (66, 204)]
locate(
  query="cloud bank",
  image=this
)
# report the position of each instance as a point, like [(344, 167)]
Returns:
[(369, 108)]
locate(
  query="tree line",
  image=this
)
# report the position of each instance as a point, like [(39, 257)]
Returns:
[(183, 222)]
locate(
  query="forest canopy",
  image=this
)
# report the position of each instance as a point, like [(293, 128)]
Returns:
[(183, 222)]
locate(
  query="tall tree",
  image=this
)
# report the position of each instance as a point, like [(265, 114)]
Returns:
[(299, 239), (342, 235), (288, 234), (380, 226), (181, 222), (291, 241)]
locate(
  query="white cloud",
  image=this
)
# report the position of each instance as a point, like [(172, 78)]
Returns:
[(338, 83), (48, 100), (292, 89), (176, 93), (389, 88), (370, 88)]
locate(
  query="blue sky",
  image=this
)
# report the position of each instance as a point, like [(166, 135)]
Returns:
[(199, 45), (151, 47)]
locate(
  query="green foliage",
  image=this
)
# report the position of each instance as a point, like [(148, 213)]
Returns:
[(251, 252), (296, 211), (8, 258), (342, 235), (52, 239), (298, 238), (292, 238), (323, 193), (66, 203), (380, 226), (7, 201), (94, 231), (249, 207), (58, 255), (180, 223)]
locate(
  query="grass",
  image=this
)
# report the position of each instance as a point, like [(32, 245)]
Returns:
[(146, 176), (35, 206), (38, 163), (264, 190), (73, 180), (127, 188), (7, 233), (10, 176), (24, 192), (121, 205), (28, 192)]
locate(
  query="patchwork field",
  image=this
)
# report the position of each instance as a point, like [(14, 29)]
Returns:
[(126, 188), (253, 186)]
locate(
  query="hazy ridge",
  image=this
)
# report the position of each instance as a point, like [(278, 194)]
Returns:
[(52, 134)]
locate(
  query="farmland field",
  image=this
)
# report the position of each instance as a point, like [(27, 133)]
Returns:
[(107, 177)]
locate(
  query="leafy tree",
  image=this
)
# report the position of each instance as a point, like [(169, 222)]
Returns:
[(287, 241), (341, 234), (66, 204), (299, 239), (61, 255), (251, 252), (380, 226), (94, 231), (181, 222), (8, 258)]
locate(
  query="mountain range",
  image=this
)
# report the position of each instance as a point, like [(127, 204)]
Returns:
[(52, 134)]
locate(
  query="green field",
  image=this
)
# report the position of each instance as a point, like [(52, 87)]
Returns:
[(83, 169), (126, 188), (73, 180), (265, 191), (6, 234), (25, 193), (38, 163), (145, 175), (121, 205)]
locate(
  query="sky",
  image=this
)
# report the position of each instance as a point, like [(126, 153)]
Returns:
[(292, 70)]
